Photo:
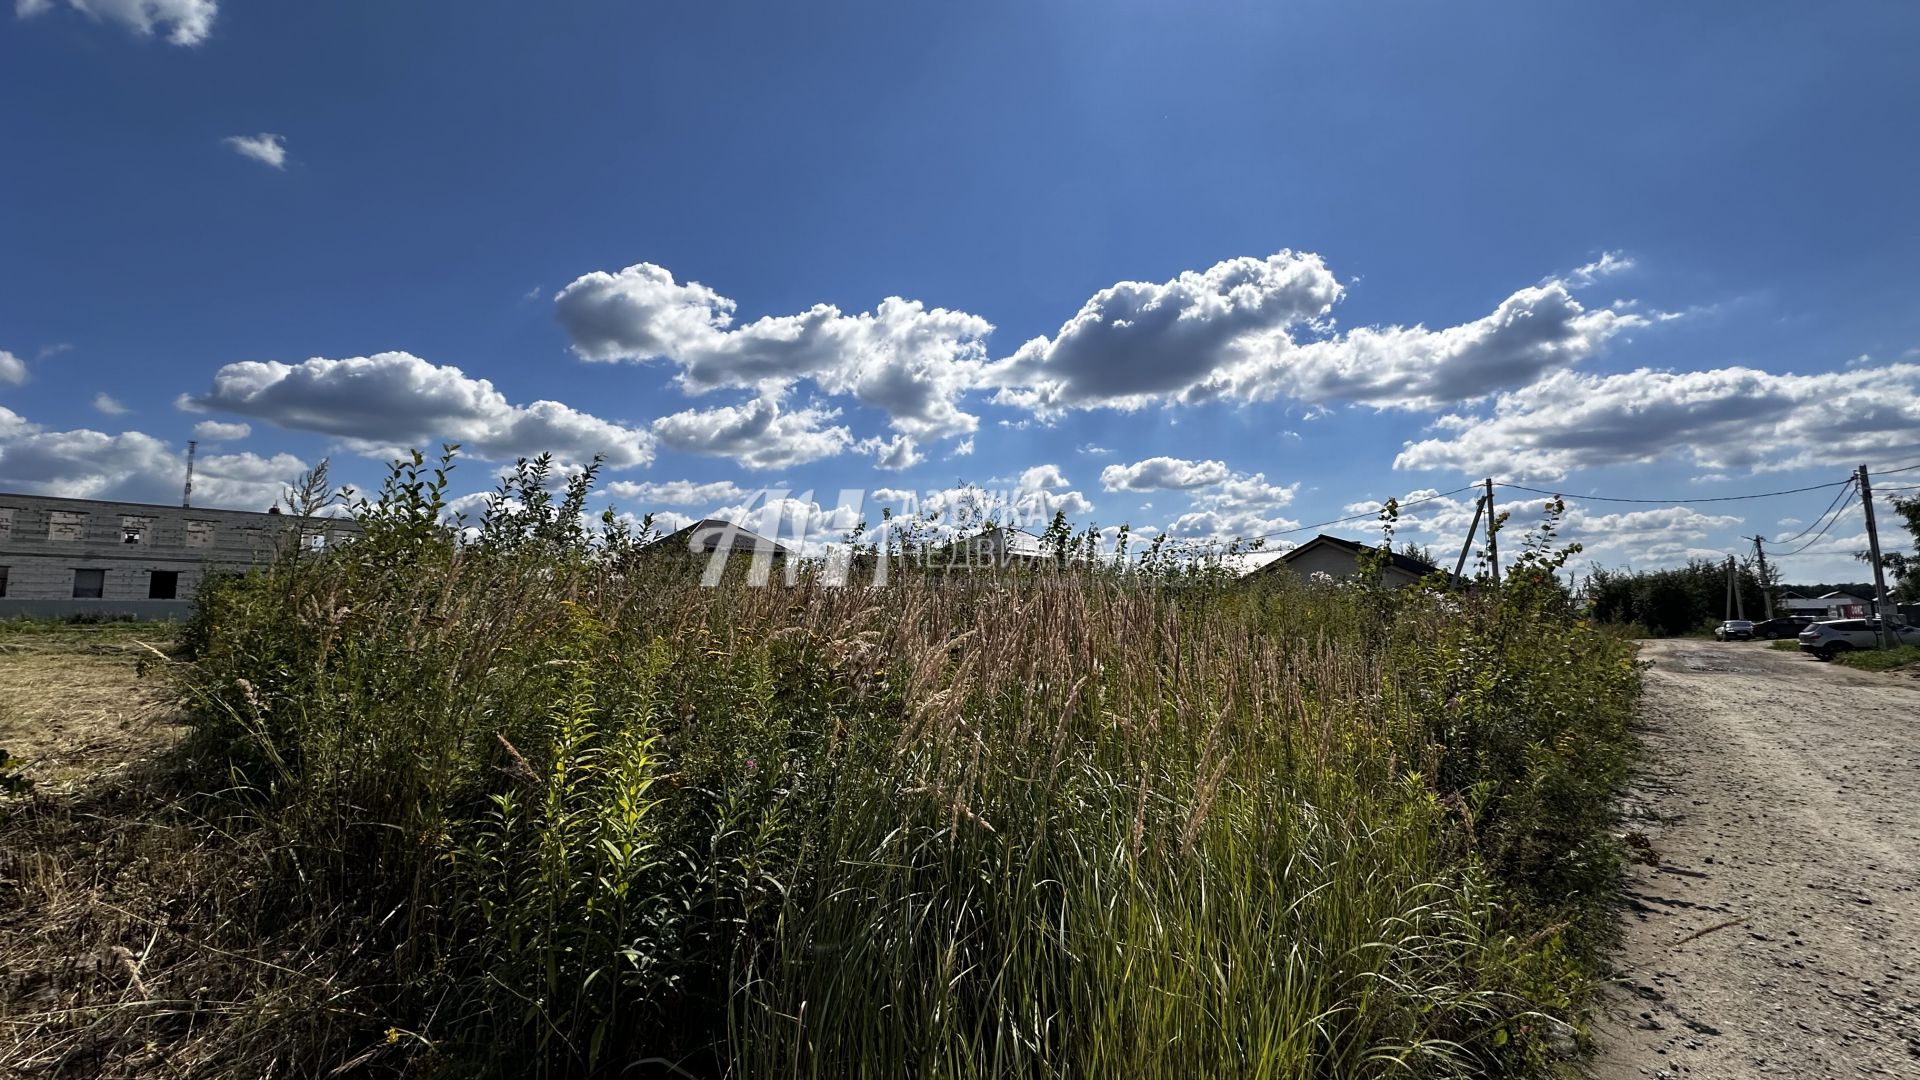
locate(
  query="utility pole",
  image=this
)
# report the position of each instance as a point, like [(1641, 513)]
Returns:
[(1766, 579), (1493, 536), (1884, 624), (1739, 594), (1729, 615), (1479, 507)]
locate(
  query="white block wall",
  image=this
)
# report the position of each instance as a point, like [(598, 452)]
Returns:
[(43, 540)]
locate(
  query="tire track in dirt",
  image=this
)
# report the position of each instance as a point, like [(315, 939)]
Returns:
[(1775, 930)]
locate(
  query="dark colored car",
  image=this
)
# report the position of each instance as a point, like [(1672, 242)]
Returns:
[(1786, 626)]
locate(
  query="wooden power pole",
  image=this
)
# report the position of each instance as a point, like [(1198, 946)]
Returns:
[(1884, 624), (1766, 579), (1493, 536), (1728, 617), (1479, 507)]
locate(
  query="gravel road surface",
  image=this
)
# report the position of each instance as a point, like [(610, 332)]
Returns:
[(1774, 928)]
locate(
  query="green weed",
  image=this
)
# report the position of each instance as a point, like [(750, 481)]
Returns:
[(1879, 659)]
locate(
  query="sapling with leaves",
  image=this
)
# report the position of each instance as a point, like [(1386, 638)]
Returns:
[(1534, 575), (1057, 540), (1373, 561)]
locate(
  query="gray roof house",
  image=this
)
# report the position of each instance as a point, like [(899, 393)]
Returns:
[(1340, 558), (709, 535), (999, 546)]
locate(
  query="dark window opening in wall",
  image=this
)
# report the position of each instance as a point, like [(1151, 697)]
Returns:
[(133, 530), (3, 581), (89, 584), (163, 584)]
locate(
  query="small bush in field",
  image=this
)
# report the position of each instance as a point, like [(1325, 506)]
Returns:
[(12, 782), (1083, 823)]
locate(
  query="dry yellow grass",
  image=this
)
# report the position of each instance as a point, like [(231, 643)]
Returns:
[(122, 950), (74, 702)]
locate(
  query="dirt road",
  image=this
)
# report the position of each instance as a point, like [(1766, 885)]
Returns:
[(1778, 930)]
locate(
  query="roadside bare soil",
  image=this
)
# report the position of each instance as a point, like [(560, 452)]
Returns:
[(1776, 927)]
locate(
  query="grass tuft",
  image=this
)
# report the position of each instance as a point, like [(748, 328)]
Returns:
[(1880, 659)]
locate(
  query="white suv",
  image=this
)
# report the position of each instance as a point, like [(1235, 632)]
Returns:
[(1823, 639)]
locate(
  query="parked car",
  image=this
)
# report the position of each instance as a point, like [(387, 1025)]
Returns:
[(1785, 626), (1734, 630), (1824, 639)]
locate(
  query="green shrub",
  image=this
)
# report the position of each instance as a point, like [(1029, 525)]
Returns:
[(12, 781)]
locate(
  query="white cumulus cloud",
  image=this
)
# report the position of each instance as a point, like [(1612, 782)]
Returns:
[(1163, 474), (1608, 264), (12, 424), (221, 431), (13, 370), (266, 148), (1637, 531), (1240, 505), (1256, 329), (760, 434), (1725, 418), (1243, 330), (1044, 490), (1536, 330), (679, 492), (394, 401), (907, 360), (186, 22), (1136, 340), (133, 466), (895, 454), (1044, 478)]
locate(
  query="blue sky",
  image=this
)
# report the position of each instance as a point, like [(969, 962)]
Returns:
[(1312, 255)]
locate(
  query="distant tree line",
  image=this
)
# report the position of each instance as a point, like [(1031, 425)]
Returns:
[(1861, 589), (1676, 600), (1694, 596)]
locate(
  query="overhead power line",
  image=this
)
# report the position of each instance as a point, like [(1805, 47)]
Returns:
[(1360, 517), (1839, 500), (1838, 511), (1674, 502), (1815, 523)]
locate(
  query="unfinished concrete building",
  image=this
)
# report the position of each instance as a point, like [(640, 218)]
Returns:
[(76, 557)]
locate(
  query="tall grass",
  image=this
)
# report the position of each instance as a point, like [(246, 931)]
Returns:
[(608, 822)]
